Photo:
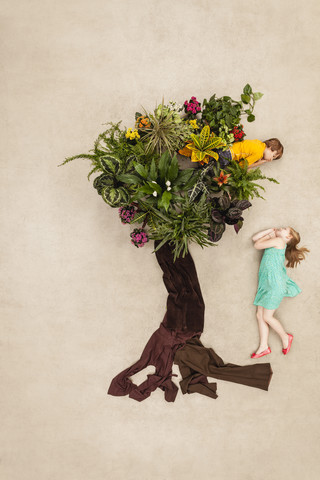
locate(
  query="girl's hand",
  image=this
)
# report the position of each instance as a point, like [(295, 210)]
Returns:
[(262, 234)]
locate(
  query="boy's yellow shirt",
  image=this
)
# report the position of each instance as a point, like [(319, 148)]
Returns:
[(251, 150)]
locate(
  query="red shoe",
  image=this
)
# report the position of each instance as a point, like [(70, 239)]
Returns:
[(286, 350), (258, 355)]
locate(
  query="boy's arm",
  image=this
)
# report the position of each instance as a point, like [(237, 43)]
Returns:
[(263, 233), (256, 164)]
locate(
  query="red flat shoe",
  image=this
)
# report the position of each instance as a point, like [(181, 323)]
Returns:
[(286, 350), (258, 355)]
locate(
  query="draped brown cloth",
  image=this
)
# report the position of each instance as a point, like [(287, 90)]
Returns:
[(177, 340), (196, 362)]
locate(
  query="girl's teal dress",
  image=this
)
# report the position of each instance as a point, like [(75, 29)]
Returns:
[(274, 283)]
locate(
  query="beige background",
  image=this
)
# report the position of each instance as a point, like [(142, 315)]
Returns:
[(79, 302)]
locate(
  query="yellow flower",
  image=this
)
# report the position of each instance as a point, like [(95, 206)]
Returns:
[(132, 134), (128, 132), (194, 124)]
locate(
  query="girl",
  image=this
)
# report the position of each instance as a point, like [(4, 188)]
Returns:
[(274, 283)]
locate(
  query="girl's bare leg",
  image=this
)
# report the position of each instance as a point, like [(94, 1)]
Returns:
[(263, 330), (276, 325)]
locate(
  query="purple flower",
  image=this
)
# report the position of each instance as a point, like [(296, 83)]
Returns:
[(139, 237), (127, 213)]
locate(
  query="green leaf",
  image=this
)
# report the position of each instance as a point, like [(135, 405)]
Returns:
[(247, 90), (138, 196), (251, 118), (153, 170), (155, 187), (185, 175), (141, 170), (204, 135), (196, 140), (147, 189), (245, 98), (173, 170), (129, 179), (257, 96), (165, 200), (163, 164), (139, 217)]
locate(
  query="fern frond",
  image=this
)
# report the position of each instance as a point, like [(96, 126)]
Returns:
[(75, 157)]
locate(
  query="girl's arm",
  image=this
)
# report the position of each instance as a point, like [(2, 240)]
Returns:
[(262, 234), (269, 240)]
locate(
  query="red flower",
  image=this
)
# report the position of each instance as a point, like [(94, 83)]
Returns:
[(222, 179)]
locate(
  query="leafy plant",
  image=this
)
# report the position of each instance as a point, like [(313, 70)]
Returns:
[(225, 212), (159, 184), (108, 184), (249, 98), (112, 156), (227, 112), (203, 145), (110, 142), (242, 181), (225, 133), (207, 181)]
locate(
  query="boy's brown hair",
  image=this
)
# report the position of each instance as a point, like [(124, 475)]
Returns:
[(275, 145)]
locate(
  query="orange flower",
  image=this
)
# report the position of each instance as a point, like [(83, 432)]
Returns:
[(143, 122), (185, 151), (222, 179)]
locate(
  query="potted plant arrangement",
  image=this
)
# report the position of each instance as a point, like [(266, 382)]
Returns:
[(139, 173)]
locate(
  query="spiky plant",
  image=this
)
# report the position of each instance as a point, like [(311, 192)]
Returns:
[(191, 224), (167, 131)]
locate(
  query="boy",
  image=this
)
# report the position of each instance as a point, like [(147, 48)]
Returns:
[(254, 151)]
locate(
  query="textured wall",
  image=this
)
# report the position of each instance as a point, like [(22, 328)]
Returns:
[(79, 302)]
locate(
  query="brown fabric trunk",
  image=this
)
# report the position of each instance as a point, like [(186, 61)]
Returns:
[(177, 339)]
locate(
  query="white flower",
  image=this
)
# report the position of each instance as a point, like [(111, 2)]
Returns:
[(174, 106), (155, 194), (168, 183), (168, 188), (152, 181)]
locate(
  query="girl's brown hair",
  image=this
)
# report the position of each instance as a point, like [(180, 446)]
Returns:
[(293, 254)]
